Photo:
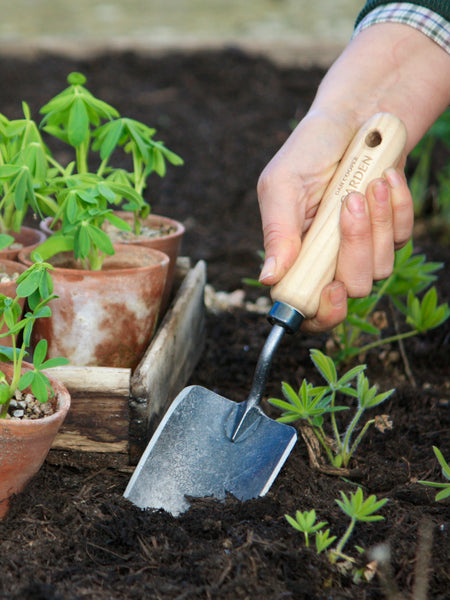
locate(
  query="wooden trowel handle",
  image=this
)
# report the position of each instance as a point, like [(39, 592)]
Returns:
[(378, 145)]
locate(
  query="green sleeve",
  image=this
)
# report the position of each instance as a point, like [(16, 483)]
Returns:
[(441, 7)]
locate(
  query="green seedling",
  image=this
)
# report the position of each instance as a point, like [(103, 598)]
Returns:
[(357, 509), (445, 493), (411, 276), (312, 404), (35, 285), (23, 167), (354, 506), (306, 523), (323, 540), (79, 196)]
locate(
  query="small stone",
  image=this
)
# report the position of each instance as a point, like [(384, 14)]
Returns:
[(18, 414)]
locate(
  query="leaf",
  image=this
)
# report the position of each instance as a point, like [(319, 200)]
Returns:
[(108, 137), (40, 353), (444, 465), (78, 125), (26, 380), (325, 365), (39, 388), (55, 362), (100, 239)]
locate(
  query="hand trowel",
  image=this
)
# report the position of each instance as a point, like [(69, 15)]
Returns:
[(208, 445)]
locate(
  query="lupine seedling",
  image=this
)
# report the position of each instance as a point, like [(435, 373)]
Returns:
[(80, 197), (306, 523), (312, 404), (357, 509), (23, 166), (36, 286), (445, 492), (355, 506), (411, 276)]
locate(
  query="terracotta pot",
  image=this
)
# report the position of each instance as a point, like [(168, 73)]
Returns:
[(8, 288), (26, 239), (24, 443), (169, 243), (104, 318)]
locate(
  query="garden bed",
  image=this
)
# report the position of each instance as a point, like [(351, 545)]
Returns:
[(71, 535)]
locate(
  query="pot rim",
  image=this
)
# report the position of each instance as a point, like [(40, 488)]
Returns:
[(162, 261), (61, 396)]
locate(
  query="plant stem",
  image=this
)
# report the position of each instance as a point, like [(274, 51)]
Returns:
[(345, 537), (319, 433), (361, 434), (388, 340), (337, 437)]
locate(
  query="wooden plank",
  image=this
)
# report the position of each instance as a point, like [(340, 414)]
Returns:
[(169, 360), (95, 423), (96, 380)]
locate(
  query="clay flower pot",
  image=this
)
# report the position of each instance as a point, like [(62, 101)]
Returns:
[(24, 443), (26, 239), (8, 288), (104, 318), (165, 235)]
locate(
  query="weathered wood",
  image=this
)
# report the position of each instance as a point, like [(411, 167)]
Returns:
[(114, 411), (169, 360), (98, 380), (96, 423)]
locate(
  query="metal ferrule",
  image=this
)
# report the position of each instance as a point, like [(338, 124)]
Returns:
[(288, 317)]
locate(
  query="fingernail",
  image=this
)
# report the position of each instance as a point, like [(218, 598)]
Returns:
[(338, 295), (393, 176), (268, 269), (356, 205), (381, 192)]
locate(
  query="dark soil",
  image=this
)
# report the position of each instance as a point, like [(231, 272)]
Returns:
[(71, 535)]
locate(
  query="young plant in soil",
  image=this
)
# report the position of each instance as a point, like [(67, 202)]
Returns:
[(23, 168), (445, 492), (35, 285), (312, 403), (354, 506), (78, 197), (411, 275)]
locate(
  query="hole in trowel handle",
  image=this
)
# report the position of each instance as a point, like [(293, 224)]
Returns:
[(373, 139)]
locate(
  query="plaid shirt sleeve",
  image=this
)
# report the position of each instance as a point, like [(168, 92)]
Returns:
[(425, 20)]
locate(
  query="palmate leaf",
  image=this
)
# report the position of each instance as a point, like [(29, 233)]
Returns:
[(426, 314), (359, 509), (367, 396)]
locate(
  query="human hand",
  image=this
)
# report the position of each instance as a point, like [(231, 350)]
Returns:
[(290, 190)]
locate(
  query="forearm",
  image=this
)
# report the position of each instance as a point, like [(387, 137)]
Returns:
[(388, 67)]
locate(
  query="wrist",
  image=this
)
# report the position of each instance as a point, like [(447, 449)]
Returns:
[(387, 68)]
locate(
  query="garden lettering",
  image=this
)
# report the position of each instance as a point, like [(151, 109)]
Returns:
[(357, 176)]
